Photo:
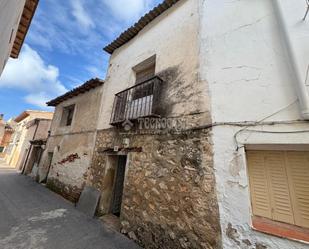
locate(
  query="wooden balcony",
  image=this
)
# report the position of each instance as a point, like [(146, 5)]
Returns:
[(138, 101)]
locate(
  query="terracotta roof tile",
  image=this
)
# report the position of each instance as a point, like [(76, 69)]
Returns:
[(131, 32), (90, 84)]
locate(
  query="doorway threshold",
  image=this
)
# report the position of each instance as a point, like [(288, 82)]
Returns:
[(111, 221)]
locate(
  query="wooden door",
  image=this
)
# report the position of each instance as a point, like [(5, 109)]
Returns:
[(118, 185)]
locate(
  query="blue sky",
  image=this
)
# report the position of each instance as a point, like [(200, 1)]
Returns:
[(63, 49)]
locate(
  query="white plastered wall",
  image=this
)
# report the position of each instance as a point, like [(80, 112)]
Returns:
[(10, 13), (244, 61), (172, 37), (76, 139)]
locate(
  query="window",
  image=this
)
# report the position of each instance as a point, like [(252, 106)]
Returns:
[(143, 72), (1, 149), (67, 115), (279, 186)]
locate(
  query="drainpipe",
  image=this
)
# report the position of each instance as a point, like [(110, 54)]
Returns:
[(300, 84)]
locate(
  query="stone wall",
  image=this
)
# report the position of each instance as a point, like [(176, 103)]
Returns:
[(69, 192), (169, 199)]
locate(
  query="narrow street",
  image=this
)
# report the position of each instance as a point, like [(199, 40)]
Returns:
[(33, 217)]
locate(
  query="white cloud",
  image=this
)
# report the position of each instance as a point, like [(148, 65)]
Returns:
[(128, 10), (81, 29), (95, 72), (81, 15), (37, 99), (32, 74)]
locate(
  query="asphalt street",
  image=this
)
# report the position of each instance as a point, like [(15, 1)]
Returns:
[(33, 217)]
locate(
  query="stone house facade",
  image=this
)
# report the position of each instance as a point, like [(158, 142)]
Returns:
[(237, 175), (68, 153), (159, 181)]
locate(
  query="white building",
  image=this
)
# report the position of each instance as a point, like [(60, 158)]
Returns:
[(15, 19), (255, 58)]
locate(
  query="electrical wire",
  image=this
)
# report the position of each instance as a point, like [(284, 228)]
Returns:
[(278, 132), (271, 132), (247, 124), (260, 121)]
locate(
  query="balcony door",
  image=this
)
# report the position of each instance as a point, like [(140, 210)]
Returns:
[(142, 96), (137, 101), (145, 73)]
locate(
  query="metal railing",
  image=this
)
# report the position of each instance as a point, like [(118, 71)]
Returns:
[(137, 101)]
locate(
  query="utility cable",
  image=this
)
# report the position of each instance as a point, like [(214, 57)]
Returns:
[(258, 122)]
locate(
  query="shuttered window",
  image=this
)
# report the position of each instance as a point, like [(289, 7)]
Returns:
[(298, 172), (279, 185), (259, 185)]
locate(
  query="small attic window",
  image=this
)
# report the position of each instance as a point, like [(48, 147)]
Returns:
[(67, 115)]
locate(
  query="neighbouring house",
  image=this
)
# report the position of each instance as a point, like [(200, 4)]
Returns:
[(254, 56), (15, 20), (10, 143), (25, 131), (8, 131), (36, 137), (6, 138), (67, 157), (2, 132)]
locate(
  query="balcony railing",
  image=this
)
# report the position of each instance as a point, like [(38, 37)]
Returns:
[(138, 101)]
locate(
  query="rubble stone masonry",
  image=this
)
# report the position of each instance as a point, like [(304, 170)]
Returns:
[(169, 199)]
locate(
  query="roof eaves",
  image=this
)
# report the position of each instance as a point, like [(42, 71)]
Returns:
[(21, 116), (23, 27), (131, 32), (87, 86)]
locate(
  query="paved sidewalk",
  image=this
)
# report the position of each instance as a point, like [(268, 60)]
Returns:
[(32, 217)]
